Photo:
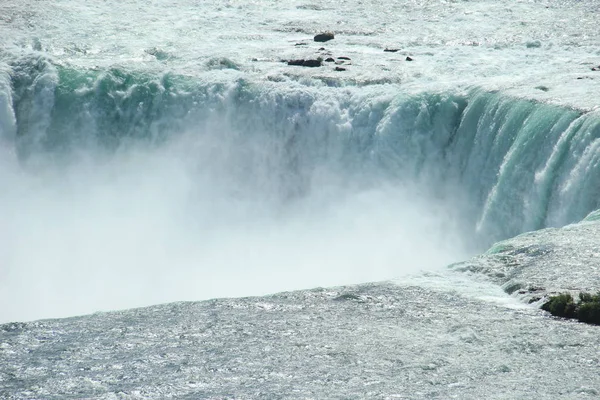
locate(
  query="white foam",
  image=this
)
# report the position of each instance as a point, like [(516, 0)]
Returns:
[(542, 50)]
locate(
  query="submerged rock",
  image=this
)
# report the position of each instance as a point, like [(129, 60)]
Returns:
[(159, 54), (533, 44), (221, 63)]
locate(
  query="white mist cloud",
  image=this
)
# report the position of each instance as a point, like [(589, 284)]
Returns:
[(189, 221)]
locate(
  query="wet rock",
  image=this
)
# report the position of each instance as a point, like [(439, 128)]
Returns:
[(37, 44), (344, 58), (221, 63), (312, 63), (322, 49), (596, 68), (391, 50), (324, 37), (159, 54), (306, 63), (329, 59), (301, 44), (510, 287), (340, 69), (409, 59)]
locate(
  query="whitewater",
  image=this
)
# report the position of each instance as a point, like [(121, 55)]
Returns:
[(153, 153)]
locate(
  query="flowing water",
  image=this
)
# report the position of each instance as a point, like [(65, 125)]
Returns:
[(154, 153)]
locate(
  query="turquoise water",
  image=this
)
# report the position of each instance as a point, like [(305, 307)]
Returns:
[(518, 165)]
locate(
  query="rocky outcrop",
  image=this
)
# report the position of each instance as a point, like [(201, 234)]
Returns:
[(311, 63), (324, 37)]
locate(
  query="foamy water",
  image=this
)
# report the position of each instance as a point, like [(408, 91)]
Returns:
[(153, 153)]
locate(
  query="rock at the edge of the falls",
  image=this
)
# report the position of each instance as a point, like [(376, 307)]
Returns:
[(311, 63), (324, 37)]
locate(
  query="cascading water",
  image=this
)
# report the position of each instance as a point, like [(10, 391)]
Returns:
[(171, 176), (157, 152), (520, 164)]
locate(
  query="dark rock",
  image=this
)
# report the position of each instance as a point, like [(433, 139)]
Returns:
[(409, 59), (391, 50), (313, 63), (306, 63), (596, 68), (322, 48), (324, 37), (511, 287), (329, 59), (344, 58), (301, 44), (340, 69), (533, 289)]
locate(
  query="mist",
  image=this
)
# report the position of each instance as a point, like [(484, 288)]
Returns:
[(203, 216)]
